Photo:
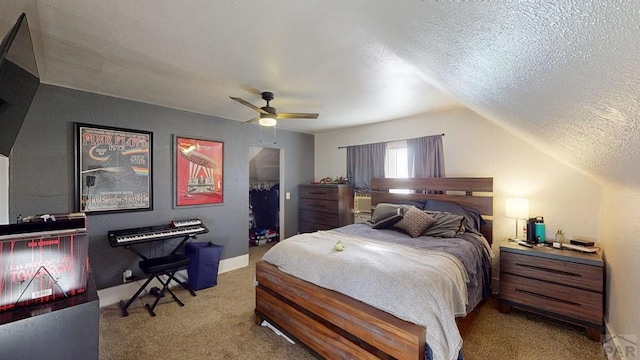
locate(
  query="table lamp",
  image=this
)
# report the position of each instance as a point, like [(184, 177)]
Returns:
[(518, 209)]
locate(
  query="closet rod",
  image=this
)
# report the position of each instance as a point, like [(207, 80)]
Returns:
[(344, 147)]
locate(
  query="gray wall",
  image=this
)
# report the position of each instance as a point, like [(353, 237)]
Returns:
[(41, 171)]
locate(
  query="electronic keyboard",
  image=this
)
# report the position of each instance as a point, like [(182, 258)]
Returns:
[(176, 228)]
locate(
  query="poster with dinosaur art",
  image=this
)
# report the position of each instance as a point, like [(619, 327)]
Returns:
[(198, 171), (113, 169)]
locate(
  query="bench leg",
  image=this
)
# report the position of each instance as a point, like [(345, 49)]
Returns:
[(186, 286), (124, 306), (165, 289), (175, 298)]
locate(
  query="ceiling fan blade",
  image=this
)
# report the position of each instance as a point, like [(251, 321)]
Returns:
[(246, 103), (252, 120), (297, 116)]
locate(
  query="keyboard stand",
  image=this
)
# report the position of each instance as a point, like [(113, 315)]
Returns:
[(154, 268)]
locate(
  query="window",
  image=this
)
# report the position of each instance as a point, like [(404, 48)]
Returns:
[(395, 162)]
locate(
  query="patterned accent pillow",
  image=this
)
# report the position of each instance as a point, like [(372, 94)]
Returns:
[(415, 222)]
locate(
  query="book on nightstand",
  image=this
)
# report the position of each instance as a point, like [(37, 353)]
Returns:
[(582, 242), (587, 249)]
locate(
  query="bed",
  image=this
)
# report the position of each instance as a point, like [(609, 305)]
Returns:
[(336, 325)]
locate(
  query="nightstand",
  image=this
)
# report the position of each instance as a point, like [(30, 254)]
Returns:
[(562, 284)]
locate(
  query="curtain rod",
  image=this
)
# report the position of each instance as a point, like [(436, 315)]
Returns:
[(344, 147)]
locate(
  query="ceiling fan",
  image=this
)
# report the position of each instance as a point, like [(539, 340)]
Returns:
[(268, 115)]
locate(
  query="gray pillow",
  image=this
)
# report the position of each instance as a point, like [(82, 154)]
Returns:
[(473, 219), (382, 210), (446, 225), (386, 215)]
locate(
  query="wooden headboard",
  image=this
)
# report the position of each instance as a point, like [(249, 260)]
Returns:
[(475, 193)]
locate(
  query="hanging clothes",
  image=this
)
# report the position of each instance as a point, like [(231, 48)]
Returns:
[(264, 206), (273, 207)]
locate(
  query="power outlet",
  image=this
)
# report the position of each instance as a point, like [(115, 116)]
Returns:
[(127, 275)]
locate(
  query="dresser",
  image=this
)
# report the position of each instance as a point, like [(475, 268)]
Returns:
[(562, 284), (324, 206)]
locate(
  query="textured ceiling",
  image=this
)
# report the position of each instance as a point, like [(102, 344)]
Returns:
[(564, 74)]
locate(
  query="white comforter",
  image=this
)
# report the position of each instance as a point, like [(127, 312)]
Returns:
[(421, 286)]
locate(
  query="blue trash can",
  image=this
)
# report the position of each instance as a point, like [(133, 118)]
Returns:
[(204, 260)]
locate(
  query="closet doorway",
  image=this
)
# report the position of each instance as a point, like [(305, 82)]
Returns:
[(264, 195)]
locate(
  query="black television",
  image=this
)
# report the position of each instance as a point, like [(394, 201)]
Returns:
[(19, 81)]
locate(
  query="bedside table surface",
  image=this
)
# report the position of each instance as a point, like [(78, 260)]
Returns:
[(594, 259)]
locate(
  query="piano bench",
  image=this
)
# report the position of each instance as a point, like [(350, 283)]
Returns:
[(157, 267), (164, 263)]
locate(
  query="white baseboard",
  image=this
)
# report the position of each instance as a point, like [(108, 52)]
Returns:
[(611, 355), (237, 262), (114, 294), (620, 346)]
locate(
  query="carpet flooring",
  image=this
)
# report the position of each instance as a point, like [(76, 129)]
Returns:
[(218, 323)]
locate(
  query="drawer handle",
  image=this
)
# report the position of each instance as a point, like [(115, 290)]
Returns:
[(548, 270), (316, 193), (546, 297)]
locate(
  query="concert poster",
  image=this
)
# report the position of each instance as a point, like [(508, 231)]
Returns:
[(113, 169), (198, 178)]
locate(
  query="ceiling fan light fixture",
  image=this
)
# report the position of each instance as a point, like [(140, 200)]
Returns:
[(267, 120), (268, 115)]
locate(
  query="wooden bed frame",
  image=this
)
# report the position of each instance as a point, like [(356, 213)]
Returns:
[(336, 326)]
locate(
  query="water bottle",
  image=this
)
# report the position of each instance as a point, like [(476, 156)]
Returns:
[(540, 233)]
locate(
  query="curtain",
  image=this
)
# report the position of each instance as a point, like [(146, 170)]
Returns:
[(365, 162), (425, 156)]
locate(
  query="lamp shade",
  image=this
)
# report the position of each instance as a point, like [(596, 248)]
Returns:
[(517, 208)]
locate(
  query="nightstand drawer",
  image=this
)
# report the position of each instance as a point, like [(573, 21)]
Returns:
[(586, 306), (556, 271)]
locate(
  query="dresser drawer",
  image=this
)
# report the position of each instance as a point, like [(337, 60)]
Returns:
[(324, 206), (327, 219), (560, 272), (318, 192), (583, 305)]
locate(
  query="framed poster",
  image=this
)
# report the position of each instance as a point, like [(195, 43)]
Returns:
[(198, 171), (113, 169)]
